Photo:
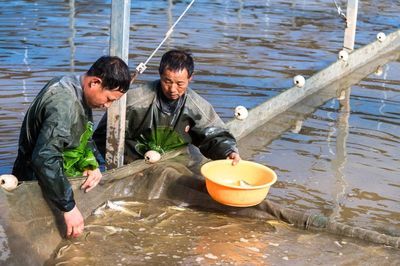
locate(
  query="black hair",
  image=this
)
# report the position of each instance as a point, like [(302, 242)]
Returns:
[(176, 60), (113, 72)]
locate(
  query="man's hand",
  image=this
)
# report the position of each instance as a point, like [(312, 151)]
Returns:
[(235, 157), (93, 178), (74, 222)]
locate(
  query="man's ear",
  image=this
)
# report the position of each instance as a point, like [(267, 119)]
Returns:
[(191, 77), (95, 81)]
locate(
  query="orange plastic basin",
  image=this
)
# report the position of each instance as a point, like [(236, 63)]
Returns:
[(243, 185)]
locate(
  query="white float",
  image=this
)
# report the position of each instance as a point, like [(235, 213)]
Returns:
[(241, 112), (299, 81), (152, 156), (379, 71), (8, 182), (297, 127), (342, 95), (343, 55), (381, 36)]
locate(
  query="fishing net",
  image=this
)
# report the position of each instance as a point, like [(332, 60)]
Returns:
[(177, 183), (28, 222)]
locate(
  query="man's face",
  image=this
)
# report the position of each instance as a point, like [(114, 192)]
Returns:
[(97, 96), (174, 84)]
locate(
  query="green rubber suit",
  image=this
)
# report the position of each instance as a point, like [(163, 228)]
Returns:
[(151, 125), (54, 140)]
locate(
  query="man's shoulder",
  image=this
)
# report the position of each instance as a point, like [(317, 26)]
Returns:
[(142, 94), (63, 84), (60, 92), (196, 100), (198, 105)]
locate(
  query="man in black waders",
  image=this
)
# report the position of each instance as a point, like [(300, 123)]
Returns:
[(55, 138), (166, 114)]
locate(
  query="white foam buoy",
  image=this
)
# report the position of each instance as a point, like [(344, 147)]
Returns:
[(8, 182), (381, 36), (297, 127), (343, 55), (299, 81), (342, 95), (379, 71), (152, 156), (241, 112)]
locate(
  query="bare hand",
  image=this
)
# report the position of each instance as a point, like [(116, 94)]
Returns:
[(93, 178), (235, 157), (74, 222)]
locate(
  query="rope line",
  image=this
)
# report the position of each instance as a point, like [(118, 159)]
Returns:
[(339, 10), (142, 66)]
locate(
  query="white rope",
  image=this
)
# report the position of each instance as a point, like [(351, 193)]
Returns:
[(142, 66), (340, 12)]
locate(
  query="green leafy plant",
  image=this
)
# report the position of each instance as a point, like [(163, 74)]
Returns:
[(162, 139), (80, 158)]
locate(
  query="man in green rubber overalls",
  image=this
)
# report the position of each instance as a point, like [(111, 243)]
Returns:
[(55, 138), (165, 114)]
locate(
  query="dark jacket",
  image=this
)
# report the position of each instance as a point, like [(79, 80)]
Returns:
[(150, 125), (53, 123)]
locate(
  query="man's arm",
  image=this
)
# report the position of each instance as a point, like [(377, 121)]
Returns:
[(235, 157), (209, 133), (100, 135), (47, 161)]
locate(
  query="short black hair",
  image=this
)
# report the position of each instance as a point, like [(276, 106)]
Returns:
[(177, 60), (113, 71)]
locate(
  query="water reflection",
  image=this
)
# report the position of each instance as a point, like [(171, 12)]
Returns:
[(347, 154)]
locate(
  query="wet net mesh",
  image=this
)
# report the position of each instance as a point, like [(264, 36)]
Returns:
[(174, 181)]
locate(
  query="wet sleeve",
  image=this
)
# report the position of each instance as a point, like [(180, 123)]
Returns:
[(99, 136), (214, 142), (210, 135), (47, 159)]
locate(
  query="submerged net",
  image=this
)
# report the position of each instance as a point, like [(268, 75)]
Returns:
[(176, 182)]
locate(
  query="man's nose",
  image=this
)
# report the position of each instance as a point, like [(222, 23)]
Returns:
[(174, 87), (107, 104)]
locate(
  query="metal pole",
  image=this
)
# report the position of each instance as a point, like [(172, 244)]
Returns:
[(71, 39), (119, 46), (350, 32), (339, 162)]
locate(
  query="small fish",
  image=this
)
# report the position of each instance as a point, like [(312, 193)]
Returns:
[(116, 207), (100, 210), (243, 183)]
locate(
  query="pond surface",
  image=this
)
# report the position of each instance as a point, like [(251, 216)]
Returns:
[(159, 233), (344, 157)]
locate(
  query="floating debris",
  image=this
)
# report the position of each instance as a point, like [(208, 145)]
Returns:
[(253, 249), (211, 256), (338, 244)]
